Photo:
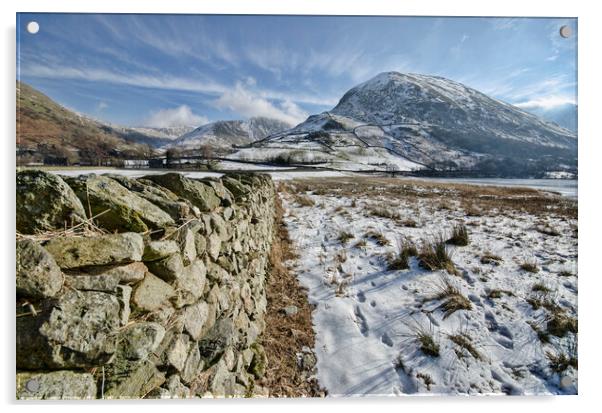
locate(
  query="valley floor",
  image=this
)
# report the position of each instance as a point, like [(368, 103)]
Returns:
[(501, 320)]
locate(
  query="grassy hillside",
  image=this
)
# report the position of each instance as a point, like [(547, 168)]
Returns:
[(47, 130)]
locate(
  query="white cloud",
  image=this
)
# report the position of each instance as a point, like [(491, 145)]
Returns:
[(180, 116), (548, 102), (102, 106), (50, 70), (248, 103)]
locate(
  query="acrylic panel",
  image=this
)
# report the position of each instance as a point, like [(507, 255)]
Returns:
[(295, 206)]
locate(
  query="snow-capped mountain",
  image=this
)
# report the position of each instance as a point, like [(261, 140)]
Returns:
[(412, 121), (229, 133)]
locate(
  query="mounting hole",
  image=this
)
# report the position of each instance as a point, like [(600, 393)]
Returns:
[(32, 385), (565, 31), (33, 27)]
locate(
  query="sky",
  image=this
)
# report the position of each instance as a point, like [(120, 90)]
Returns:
[(175, 70)]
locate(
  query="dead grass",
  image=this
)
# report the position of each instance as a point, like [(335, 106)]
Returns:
[(459, 236), (384, 213), (530, 266), (452, 298), (377, 237), (490, 258), (345, 236), (560, 324), (540, 288), (547, 230), (434, 255), (401, 261), (86, 228), (304, 200), (494, 294), (360, 244), (559, 363), (409, 223), (564, 358), (476, 200), (464, 341), (565, 273), (428, 345), (285, 336), (426, 379)]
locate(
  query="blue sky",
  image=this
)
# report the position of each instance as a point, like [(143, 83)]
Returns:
[(168, 70)]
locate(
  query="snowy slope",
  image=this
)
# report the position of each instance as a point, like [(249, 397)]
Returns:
[(171, 132), (415, 122), (230, 133)]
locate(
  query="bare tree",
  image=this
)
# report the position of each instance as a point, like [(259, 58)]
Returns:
[(171, 155)]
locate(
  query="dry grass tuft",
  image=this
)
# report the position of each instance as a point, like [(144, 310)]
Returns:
[(564, 358), (434, 255), (530, 266), (453, 300), (304, 200), (384, 213), (559, 363), (409, 223), (401, 261), (459, 236), (360, 244), (490, 258), (426, 379), (377, 237), (559, 324), (547, 230), (493, 294), (345, 236), (465, 341), (428, 345)]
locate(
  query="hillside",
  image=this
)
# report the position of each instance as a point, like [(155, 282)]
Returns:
[(47, 130), (404, 122)]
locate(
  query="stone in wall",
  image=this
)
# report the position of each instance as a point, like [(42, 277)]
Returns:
[(201, 195), (45, 203), (38, 275), (74, 252), (116, 208)]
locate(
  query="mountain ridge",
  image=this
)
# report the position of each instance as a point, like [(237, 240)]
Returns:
[(414, 121), (230, 133)]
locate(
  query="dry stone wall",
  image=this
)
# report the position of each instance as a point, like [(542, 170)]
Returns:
[(163, 297)]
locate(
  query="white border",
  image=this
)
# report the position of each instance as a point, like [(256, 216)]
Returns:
[(590, 200)]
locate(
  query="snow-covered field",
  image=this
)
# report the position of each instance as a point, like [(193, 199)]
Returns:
[(391, 332)]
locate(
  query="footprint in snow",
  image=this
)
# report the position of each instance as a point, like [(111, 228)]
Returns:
[(361, 297), (386, 339), (360, 320)]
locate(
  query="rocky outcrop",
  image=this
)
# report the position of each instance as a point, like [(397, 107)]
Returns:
[(158, 308)]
